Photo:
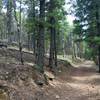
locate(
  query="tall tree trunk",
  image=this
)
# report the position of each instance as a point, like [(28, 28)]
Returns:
[(98, 30), (20, 44), (29, 41), (34, 30), (40, 46), (19, 32), (32, 17), (99, 58), (51, 58), (53, 48), (40, 38), (34, 43), (28, 44), (9, 19)]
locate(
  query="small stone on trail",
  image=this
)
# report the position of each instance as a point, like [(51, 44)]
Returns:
[(59, 71), (57, 97), (49, 75), (92, 86), (40, 83)]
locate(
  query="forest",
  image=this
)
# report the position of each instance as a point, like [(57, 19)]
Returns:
[(49, 49)]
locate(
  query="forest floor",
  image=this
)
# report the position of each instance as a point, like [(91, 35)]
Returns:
[(79, 82)]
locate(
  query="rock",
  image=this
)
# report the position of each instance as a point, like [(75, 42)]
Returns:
[(39, 82), (57, 97), (49, 75), (39, 79)]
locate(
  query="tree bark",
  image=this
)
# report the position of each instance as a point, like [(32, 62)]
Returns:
[(99, 58), (53, 48), (40, 38), (34, 29), (9, 20), (98, 30)]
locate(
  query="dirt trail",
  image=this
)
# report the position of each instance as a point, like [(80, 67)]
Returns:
[(83, 83)]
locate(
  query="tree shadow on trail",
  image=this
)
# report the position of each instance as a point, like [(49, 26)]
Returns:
[(83, 71), (96, 81)]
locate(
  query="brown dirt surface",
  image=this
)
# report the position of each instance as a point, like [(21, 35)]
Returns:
[(80, 82)]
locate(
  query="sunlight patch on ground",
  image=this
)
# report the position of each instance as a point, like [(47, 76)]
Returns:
[(80, 78), (88, 66), (16, 48), (59, 84), (85, 88), (8, 60), (31, 64), (69, 59)]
